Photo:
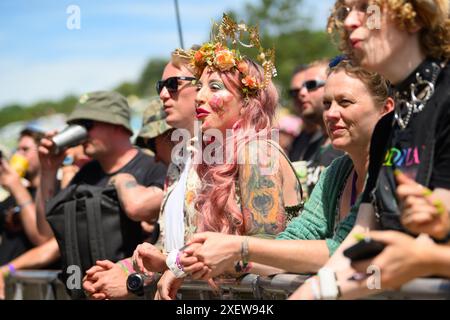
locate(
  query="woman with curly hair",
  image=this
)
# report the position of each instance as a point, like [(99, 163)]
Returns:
[(408, 42)]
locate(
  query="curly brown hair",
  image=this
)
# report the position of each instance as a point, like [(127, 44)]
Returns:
[(432, 16)]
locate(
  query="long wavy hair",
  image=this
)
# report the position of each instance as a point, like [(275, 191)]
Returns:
[(216, 201)]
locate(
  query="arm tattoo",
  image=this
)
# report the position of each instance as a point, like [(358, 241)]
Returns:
[(130, 184), (262, 198)]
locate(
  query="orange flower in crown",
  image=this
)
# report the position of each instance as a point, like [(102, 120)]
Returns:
[(243, 67), (250, 82), (224, 60), (218, 55)]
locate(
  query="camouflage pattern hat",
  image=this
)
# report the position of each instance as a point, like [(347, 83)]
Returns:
[(153, 122), (104, 106)]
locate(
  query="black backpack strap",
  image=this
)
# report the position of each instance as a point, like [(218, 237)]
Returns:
[(95, 231), (70, 231)]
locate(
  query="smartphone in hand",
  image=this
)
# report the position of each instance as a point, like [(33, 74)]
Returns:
[(364, 249)]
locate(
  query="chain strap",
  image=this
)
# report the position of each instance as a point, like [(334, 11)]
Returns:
[(420, 92)]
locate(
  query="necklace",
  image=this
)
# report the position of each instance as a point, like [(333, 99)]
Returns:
[(419, 93)]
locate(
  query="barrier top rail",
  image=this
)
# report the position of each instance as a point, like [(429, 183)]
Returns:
[(258, 287)]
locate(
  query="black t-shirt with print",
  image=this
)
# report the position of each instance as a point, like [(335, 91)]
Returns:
[(394, 148), (143, 167), (320, 160), (306, 145)]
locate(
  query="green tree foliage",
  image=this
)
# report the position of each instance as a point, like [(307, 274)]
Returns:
[(282, 25), (13, 113), (276, 16), (127, 89), (148, 78)]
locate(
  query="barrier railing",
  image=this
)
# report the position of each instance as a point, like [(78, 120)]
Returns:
[(45, 285)]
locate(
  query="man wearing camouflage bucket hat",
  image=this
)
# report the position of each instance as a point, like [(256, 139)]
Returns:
[(138, 179), (155, 132)]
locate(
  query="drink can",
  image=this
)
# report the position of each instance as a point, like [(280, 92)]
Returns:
[(19, 163)]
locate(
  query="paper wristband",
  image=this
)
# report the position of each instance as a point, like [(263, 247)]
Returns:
[(174, 264), (328, 285)]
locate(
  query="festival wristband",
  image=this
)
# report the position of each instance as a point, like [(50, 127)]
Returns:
[(329, 289), (174, 264), (11, 271)]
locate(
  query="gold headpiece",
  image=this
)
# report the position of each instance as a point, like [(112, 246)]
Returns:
[(217, 54)]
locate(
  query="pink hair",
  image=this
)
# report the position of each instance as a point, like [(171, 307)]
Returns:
[(216, 202)]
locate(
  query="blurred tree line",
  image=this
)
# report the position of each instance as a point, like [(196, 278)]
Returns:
[(282, 25)]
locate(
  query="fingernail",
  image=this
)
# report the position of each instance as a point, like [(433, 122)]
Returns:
[(439, 206), (397, 172), (359, 236), (427, 192), (357, 277)]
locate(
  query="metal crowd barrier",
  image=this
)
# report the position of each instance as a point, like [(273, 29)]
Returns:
[(45, 285)]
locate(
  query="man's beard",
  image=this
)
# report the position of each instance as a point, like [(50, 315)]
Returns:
[(314, 116)]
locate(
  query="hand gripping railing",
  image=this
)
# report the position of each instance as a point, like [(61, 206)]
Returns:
[(45, 285)]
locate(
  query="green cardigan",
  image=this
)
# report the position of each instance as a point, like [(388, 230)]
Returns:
[(316, 222)]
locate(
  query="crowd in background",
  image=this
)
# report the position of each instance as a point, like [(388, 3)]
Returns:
[(359, 173)]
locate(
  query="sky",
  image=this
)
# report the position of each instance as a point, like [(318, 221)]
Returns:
[(44, 55)]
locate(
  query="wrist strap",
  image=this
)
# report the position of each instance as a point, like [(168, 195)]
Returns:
[(315, 288), (174, 264), (329, 289), (123, 267), (11, 271)]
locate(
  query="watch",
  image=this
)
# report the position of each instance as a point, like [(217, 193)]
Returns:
[(135, 284)]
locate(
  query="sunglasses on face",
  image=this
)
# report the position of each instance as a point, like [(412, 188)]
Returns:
[(171, 83), (310, 85), (88, 124)]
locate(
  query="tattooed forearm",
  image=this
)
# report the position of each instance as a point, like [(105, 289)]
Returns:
[(261, 197), (130, 184)]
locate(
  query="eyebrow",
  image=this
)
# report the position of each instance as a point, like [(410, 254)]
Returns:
[(215, 80)]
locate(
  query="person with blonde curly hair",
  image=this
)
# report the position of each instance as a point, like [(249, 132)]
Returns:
[(407, 192)]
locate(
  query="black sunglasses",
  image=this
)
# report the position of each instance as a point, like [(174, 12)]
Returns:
[(310, 85), (88, 124), (171, 83)]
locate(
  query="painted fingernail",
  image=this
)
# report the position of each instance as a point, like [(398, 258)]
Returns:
[(427, 192), (397, 172), (439, 206), (359, 236)]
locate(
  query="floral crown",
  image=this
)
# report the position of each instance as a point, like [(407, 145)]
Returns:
[(217, 55)]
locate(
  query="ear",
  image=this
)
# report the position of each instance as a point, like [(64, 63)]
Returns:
[(415, 29), (388, 106)]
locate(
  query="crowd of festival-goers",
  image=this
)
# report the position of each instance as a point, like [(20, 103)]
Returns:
[(222, 181)]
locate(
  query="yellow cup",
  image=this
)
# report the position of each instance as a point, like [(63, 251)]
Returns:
[(19, 163)]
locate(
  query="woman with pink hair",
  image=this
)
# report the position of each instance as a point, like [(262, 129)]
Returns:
[(242, 183)]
